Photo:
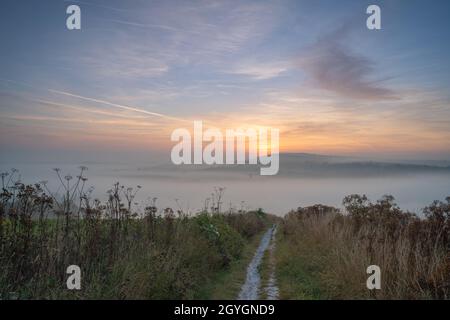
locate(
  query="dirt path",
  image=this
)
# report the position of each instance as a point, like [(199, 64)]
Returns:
[(271, 288), (251, 288)]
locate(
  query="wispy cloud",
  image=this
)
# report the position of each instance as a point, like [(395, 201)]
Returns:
[(151, 42), (333, 66), (136, 70), (129, 61), (260, 71)]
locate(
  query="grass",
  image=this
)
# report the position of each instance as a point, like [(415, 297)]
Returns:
[(264, 270), (323, 253), (123, 252), (227, 283), (128, 252), (297, 270)]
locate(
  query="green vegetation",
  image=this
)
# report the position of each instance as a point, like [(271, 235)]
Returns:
[(264, 270), (123, 253), (323, 254), (127, 252), (298, 272), (227, 284)]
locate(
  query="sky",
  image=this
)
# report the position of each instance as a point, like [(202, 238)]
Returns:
[(138, 69)]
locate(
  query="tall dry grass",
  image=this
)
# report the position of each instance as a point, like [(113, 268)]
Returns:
[(413, 253)]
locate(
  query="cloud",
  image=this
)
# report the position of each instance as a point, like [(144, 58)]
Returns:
[(259, 71), (334, 67), (128, 61), (156, 39)]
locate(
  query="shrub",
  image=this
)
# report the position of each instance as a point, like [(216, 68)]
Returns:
[(226, 239)]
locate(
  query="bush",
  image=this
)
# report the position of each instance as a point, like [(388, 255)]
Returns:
[(249, 224), (226, 239)]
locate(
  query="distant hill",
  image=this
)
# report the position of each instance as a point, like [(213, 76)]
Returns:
[(296, 165)]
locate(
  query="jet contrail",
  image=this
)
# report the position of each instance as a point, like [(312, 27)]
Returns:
[(119, 106), (115, 105)]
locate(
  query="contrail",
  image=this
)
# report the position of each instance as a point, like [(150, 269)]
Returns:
[(115, 105), (91, 110)]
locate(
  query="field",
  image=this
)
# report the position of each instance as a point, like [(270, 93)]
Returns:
[(128, 252)]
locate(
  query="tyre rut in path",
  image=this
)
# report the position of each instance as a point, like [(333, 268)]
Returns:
[(251, 288)]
